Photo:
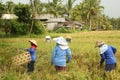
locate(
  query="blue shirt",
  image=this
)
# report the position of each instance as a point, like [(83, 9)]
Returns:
[(59, 56), (107, 53), (32, 52)]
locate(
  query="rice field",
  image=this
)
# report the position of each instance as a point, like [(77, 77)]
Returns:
[(83, 66)]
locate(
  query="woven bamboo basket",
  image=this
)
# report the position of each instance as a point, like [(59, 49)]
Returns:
[(21, 59)]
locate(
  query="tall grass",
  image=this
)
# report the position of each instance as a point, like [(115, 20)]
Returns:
[(83, 66)]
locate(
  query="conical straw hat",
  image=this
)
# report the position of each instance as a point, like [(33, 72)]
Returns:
[(33, 41), (99, 43)]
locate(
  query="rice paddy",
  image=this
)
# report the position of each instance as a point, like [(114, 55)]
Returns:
[(83, 66)]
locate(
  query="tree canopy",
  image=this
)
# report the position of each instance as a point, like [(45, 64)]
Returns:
[(89, 12)]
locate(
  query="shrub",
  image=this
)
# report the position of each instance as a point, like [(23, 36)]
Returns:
[(19, 28), (38, 28), (64, 30)]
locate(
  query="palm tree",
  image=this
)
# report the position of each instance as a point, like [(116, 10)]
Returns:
[(35, 9), (54, 7), (69, 6), (9, 7), (92, 9)]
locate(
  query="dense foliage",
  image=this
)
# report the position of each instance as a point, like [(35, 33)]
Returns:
[(63, 30), (19, 28), (23, 12), (38, 28), (88, 12)]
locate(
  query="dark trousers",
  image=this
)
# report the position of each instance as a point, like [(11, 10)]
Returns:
[(110, 67), (31, 66)]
